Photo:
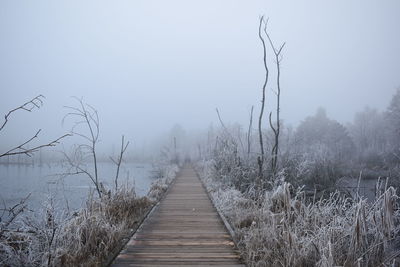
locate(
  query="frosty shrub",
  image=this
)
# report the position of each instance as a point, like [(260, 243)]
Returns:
[(284, 228), (314, 169), (230, 168)]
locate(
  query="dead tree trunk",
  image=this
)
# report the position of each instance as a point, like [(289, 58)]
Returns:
[(260, 159), (249, 133), (276, 130)]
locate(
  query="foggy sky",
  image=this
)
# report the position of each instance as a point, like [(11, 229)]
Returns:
[(146, 65)]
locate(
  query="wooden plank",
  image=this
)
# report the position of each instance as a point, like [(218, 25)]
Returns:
[(181, 255), (193, 261), (184, 229), (202, 263), (175, 249), (197, 264), (179, 236)]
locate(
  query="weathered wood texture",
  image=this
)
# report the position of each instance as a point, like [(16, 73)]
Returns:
[(184, 229)]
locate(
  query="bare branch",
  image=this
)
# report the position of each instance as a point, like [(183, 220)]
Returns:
[(224, 127), (220, 120), (88, 116), (118, 161), (14, 212), (20, 149), (81, 135), (115, 162), (35, 102), (278, 51), (77, 167), (278, 58)]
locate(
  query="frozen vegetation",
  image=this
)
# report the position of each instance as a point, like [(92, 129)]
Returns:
[(282, 227), (304, 211), (90, 237)]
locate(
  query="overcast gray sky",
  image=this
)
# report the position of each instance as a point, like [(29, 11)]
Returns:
[(146, 65)]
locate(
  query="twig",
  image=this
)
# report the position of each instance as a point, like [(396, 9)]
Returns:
[(88, 116), (14, 212), (28, 106), (20, 149)]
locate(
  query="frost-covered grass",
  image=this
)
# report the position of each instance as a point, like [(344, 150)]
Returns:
[(164, 175), (284, 228), (91, 236), (86, 238)]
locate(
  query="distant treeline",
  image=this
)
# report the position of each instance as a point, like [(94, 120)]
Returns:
[(317, 153)]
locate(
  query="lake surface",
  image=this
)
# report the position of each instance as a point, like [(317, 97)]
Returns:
[(44, 183)]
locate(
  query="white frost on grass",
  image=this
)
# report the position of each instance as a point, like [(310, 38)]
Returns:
[(283, 228), (86, 238), (164, 174)]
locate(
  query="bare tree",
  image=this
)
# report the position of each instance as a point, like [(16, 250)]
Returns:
[(86, 115), (118, 160), (23, 148), (260, 159), (276, 130)]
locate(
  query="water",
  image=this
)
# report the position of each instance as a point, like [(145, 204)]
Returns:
[(366, 188), (43, 183)]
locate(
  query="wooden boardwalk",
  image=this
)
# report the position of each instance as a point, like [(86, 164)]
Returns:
[(184, 229)]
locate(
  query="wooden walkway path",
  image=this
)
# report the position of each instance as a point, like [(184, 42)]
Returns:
[(184, 229)]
